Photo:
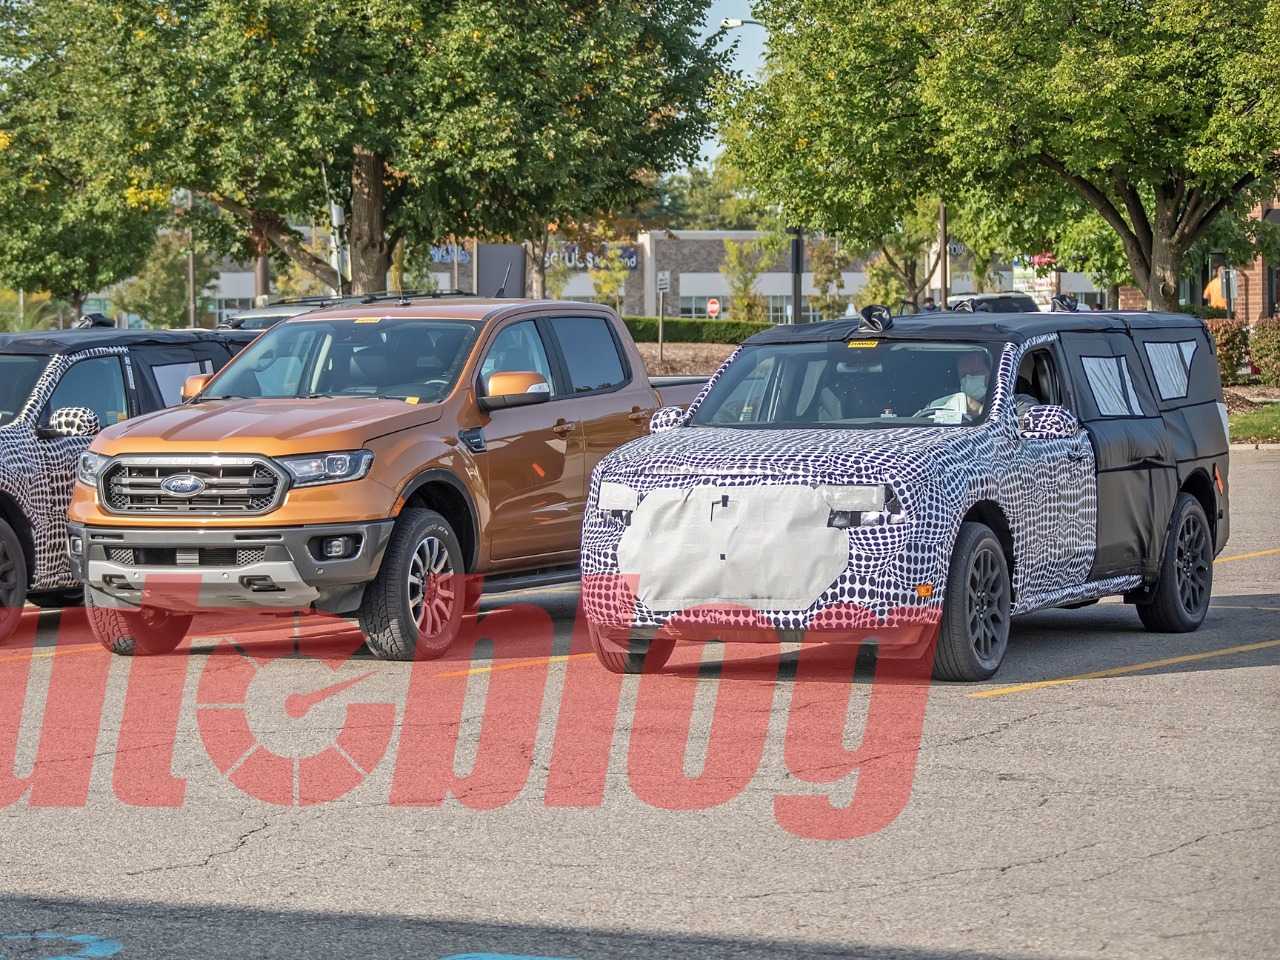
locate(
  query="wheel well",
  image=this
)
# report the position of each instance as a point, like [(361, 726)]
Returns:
[(989, 513), (1200, 486), (13, 515), (448, 501)]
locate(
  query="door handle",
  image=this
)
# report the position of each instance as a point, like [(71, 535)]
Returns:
[(563, 427), (637, 415)]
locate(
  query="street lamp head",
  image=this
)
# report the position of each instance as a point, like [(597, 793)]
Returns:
[(731, 23)]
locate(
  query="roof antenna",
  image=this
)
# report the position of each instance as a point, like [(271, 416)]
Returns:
[(502, 289), (1064, 303), (876, 317)]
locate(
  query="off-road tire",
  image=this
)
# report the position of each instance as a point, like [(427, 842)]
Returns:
[(975, 611), (386, 616), (1181, 596), (13, 580), (56, 599), (634, 661), (134, 633)]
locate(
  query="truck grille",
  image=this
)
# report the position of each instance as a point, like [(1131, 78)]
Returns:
[(196, 556), (226, 485)]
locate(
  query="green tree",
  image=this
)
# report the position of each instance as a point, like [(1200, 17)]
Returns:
[(827, 261), (420, 118), (744, 262), (557, 278), (609, 277), (158, 293), (1159, 116)]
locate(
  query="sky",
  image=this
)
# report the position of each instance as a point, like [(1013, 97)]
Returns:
[(750, 52)]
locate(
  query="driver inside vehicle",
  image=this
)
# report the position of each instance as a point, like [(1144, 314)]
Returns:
[(973, 372)]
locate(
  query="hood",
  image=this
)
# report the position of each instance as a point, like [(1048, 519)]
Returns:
[(269, 427), (840, 456)]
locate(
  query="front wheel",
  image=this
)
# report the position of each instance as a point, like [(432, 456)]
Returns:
[(974, 634), (134, 633), (13, 580), (413, 608), (1181, 596)]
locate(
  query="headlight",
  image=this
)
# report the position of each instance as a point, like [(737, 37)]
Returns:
[(320, 468), (866, 506), (89, 466), (617, 500)]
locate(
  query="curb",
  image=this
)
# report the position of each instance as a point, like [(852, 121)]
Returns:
[(1238, 447)]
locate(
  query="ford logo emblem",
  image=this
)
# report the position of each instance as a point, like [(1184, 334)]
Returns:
[(182, 485)]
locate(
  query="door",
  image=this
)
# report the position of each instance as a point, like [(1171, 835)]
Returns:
[(615, 401), (1136, 470), (1052, 473), (533, 458)]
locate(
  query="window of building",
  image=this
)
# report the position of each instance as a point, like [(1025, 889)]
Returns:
[(96, 383), (695, 308), (590, 352), (780, 309), (1112, 386)]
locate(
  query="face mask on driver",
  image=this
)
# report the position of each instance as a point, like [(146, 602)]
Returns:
[(974, 385)]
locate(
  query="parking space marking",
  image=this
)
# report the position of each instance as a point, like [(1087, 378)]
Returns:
[(1128, 668), (513, 665), (1249, 556)]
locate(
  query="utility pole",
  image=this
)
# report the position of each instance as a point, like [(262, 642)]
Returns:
[(797, 273), (944, 255)]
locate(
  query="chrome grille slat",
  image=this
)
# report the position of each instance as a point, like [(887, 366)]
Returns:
[(242, 486)]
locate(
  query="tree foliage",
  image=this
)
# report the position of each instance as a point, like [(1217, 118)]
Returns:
[(744, 261), (1159, 116), (158, 294), (420, 117)]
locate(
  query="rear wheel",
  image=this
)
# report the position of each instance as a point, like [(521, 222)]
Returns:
[(974, 634), (413, 608), (134, 633), (641, 658), (1180, 599), (13, 580)]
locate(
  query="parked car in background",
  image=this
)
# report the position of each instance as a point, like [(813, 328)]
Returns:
[(931, 478), (263, 318), (360, 460), (57, 389), (1007, 302)]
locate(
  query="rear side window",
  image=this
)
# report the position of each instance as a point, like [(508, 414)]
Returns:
[(1112, 386), (590, 353), (171, 376), (1171, 364)]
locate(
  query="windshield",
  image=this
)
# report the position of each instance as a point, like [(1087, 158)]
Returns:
[(858, 385), (365, 357), (18, 374)]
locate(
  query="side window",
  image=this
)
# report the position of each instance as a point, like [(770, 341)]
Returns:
[(1037, 381), (96, 383), (518, 348), (171, 376), (590, 352), (1112, 386), (1171, 364)]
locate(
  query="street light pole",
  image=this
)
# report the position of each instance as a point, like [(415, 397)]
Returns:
[(797, 272), (944, 254)]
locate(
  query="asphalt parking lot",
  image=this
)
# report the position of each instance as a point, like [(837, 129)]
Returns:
[(1111, 793)]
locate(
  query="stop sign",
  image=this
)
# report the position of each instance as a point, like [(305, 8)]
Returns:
[(713, 308)]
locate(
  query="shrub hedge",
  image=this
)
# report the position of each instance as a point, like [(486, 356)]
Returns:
[(1264, 350), (1231, 340), (645, 330)]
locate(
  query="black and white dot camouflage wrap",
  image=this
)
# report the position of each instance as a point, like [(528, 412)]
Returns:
[(1045, 488), (36, 474), (1047, 423)]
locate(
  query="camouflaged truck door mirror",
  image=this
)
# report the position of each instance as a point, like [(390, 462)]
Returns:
[(1047, 421), (666, 418), (73, 422)]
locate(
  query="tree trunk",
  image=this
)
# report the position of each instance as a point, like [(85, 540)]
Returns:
[(370, 251), (535, 249), (396, 281), (1166, 256), (262, 263), (77, 304)]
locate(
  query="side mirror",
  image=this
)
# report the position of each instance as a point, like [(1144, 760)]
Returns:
[(72, 422), (666, 418), (1048, 421), (192, 386), (514, 388)]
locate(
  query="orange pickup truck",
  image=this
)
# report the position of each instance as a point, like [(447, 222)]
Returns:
[(359, 460)]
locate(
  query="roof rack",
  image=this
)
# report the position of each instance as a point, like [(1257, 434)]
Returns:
[(404, 296)]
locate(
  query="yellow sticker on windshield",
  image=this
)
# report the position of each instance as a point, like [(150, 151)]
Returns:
[(410, 399), (862, 344), (368, 319)]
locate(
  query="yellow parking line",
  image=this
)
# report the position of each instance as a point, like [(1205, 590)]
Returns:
[(1249, 556), (46, 652), (1130, 668), (513, 665)]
